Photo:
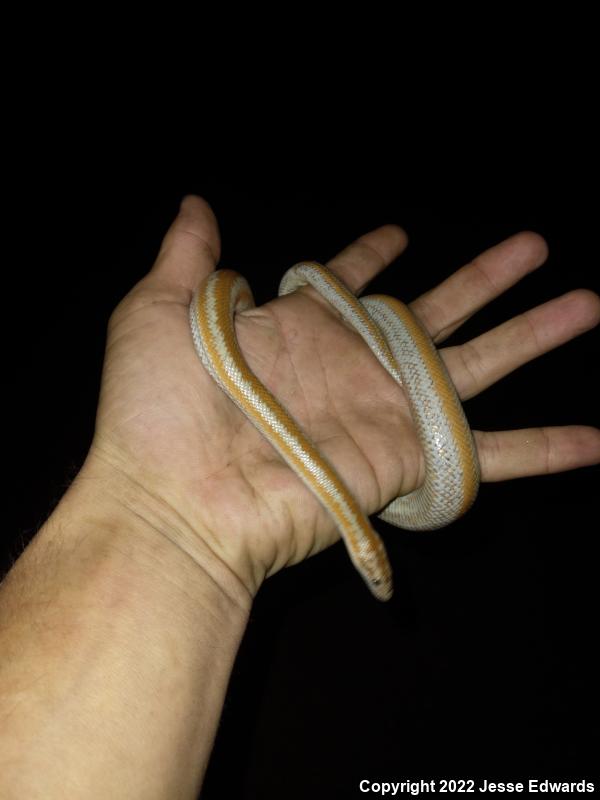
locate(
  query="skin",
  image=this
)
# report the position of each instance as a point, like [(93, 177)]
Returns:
[(120, 622)]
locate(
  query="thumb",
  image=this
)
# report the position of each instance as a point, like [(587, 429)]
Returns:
[(191, 247)]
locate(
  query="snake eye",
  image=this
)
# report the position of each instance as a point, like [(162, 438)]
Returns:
[(376, 581)]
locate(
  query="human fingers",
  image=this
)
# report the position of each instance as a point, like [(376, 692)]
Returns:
[(444, 308), (367, 256), (486, 359), (190, 249), (536, 451)]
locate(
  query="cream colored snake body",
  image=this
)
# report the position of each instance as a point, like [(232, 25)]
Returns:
[(406, 351)]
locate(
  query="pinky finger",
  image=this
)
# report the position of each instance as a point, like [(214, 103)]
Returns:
[(536, 451)]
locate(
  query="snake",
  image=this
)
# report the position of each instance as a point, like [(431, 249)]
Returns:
[(405, 350)]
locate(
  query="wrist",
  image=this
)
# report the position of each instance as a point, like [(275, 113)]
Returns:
[(119, 645), (125, 516)]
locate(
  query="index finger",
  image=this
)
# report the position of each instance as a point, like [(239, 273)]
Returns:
[(358, 263)]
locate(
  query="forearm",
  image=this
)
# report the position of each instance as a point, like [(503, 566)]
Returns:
[(115, 652)]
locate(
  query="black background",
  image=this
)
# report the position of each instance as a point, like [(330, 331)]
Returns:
[(482, 664)]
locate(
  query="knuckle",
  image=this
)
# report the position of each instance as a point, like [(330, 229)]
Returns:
[(471, 360)]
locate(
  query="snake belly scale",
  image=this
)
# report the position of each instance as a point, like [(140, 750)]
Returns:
[(406, 351)]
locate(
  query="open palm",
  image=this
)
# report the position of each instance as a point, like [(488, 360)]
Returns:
[(164, 427)]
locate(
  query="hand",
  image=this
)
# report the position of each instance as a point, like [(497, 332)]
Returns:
[(167, 434)]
